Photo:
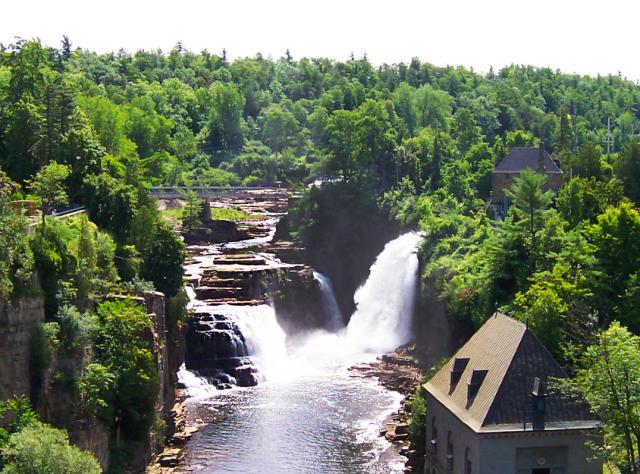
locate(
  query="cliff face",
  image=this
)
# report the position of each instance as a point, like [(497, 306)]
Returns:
[(18, 322), (344, 231), (57, 400), (433, 329)]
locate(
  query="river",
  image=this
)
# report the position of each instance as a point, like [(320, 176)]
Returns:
[(309, 413)]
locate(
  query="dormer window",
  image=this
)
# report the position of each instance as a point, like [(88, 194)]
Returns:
[(477, 377), (459, 364)]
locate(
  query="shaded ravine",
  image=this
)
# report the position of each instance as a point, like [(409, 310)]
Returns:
[(308, 412)]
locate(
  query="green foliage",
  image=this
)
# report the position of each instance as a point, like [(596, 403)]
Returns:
[(75, 262), (607, 377), (48, 185), (39, 448), (417, 139), (19, 411), (192, 210), (418, 407), (616, 238), (529, 204), (124, 352), (111, 204), (16, 258), (176, 310), (43, 344), (627, 168), (97, 391), (232, 214), (581, 200), (76, 329), (163, 260)]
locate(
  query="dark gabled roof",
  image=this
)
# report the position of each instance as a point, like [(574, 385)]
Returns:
[(522, 158), (512, 357)]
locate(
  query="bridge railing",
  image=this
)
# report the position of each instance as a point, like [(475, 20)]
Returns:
[(202, 191)]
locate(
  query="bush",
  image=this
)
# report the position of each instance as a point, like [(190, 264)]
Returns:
[(163, 260), (16, 258), (417, 419), (19, 412), (76, 329), (96, 392), (124, 350), (176, 309), (43, 344), (40, 448)]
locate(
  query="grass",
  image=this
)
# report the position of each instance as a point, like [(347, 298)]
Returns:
[(217, 213), (175, 213), (229, 214)]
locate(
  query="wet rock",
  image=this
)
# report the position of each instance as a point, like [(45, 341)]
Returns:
[(216, 231), (402, 428), (247, 376)]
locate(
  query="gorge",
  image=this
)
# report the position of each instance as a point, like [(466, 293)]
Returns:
[(274, 396)]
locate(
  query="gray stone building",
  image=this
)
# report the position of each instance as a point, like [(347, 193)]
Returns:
[(519, 159), (488, 410)]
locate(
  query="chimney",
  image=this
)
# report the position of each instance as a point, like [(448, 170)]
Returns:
[(541, 168), (459, 364), (538, 398), (477, 377)]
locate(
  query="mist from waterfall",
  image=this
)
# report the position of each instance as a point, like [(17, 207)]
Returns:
[(384, 304), (329, 303)]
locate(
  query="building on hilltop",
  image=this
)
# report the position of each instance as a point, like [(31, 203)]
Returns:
[(510, 167), (489, 412)]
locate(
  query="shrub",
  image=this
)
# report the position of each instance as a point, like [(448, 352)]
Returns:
[(43, 344), (76, 328), (125, 350), (96, 392), (40, 448)]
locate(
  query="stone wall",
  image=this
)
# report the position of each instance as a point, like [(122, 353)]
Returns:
[(18, 322)]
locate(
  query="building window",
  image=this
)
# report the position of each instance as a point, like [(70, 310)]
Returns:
[(449, 453), (467, 462)]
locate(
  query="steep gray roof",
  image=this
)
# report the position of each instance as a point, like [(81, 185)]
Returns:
[(512, 357), (522, 158)]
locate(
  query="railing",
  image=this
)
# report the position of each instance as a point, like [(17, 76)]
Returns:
[(75, 211), (168, 192), (69, 212)]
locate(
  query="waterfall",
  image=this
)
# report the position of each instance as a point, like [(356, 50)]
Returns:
[(265, 339), (329, 303), (384, 304), (195, 385)]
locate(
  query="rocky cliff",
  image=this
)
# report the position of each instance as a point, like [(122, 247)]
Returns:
[(18, 322)]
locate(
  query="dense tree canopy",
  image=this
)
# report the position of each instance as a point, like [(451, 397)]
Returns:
[(414, 140)]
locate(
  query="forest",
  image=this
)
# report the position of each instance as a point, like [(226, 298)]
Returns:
[(414, 143)]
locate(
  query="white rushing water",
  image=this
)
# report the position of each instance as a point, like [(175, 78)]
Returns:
[(382, 320), (329, 303), (194, 385), (264, 337)]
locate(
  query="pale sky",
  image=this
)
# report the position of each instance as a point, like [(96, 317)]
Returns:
[(586, 37)]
